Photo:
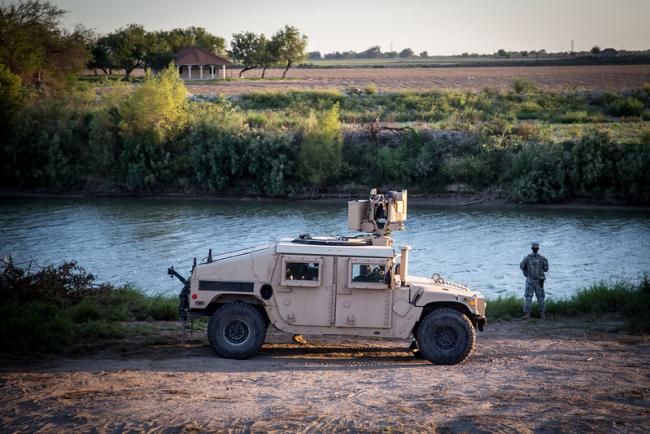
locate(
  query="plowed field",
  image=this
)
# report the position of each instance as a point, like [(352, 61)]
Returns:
[(592, 78)]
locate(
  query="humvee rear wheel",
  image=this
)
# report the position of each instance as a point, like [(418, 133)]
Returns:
[(236, 330), (446, 336)]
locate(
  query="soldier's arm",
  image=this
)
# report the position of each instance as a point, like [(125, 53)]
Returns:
[(545, 265), (524, 266)]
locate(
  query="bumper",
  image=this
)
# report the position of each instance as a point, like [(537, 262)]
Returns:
[(480, 322)]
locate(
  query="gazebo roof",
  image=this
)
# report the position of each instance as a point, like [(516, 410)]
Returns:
[(197, 56)]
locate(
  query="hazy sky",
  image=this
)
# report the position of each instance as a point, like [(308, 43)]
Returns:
[(440, 27)]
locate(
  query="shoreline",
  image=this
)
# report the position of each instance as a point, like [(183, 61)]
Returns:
[(461, 200)]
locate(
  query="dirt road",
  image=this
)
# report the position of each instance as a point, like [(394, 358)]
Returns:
[(593, 78), (524, 377)]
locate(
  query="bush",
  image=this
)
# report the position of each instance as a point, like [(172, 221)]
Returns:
[(538, 174), (370, 89), (56, 306), (320, 150), (523, 85)]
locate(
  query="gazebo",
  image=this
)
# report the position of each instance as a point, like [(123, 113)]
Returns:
[(196, 64)]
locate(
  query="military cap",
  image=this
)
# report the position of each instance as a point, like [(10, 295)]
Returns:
[(534, 245)]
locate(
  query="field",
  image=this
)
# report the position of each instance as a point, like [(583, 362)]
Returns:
[(556, 375), (589, 78)]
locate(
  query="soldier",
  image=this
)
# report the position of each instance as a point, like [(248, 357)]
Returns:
[(534, 266)]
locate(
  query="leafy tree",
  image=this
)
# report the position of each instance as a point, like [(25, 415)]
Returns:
[(128, 47), (101, 56), (267, 53), (595, 49), (406, 53), (320, 153), (502, 53), (370, 53), (158, 106), (245, 49), (314, 55), (35, 47), (424, 54), (290, 45)]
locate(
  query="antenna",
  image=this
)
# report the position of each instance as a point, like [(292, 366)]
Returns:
[(572, 50)]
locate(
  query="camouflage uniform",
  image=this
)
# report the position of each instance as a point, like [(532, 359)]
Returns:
[(534, 266)]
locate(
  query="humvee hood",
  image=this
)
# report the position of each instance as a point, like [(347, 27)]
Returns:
[(427, 283)]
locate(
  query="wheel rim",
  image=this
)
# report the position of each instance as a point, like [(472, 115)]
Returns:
[(236, 332), (445, 338)]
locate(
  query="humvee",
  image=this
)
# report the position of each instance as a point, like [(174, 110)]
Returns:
[(346, 285)]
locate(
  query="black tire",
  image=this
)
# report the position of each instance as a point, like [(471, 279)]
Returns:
[(236, 330), (446, 336)]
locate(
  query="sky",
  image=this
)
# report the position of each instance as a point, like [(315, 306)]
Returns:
[(439, 27)]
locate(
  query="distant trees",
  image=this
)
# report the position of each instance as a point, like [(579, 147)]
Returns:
[(286, 47), (132, 47), (245, 49), (314, 55), (424, 54), (406, 53), (35, 47), (595, 49), (289, 45)]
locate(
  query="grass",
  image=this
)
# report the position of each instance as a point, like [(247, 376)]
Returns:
[(631, 300), (56, 307)]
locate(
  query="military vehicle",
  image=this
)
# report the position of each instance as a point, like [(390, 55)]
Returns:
[(347, 285)]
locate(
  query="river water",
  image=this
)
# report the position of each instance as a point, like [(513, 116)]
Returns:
[(135, 240)]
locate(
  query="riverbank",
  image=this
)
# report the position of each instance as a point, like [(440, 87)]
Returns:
[(479, 200), (571, 374)]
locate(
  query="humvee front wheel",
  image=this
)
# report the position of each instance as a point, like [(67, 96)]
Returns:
[(236, 330), (446, 336)]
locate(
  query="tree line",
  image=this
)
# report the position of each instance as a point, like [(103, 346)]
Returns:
[(35, 46)]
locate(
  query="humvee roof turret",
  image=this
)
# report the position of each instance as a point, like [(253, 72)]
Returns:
[(354, 286)]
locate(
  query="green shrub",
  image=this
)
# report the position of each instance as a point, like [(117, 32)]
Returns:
[(34, 327), (538, 174), (523, 85), (370, 89), (626, 106)]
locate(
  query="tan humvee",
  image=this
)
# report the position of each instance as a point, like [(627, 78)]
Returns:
[(334, 286)]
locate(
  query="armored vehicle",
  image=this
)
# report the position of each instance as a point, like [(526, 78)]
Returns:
[(352, 286)]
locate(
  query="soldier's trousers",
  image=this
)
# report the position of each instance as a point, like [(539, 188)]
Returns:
[(533, 287)]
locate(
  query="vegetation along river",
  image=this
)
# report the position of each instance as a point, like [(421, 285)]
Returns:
[(135, 240)]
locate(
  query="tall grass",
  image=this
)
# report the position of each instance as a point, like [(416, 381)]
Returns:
[(55, 307), (631, 300)]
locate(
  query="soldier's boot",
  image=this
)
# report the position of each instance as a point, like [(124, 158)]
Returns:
[(526, 316), (299, 339)]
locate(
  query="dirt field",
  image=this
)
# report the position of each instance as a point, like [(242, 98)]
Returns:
[(524, 377), (473, 78)]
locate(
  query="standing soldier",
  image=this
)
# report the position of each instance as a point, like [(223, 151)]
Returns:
[(534, 266)]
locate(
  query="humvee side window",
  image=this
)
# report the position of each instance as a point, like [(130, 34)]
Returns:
[(369, 273), (302, 271)]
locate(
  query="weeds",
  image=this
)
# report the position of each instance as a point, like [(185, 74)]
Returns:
[(628, 299), (50, 309)]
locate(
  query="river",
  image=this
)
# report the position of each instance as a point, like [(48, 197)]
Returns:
[(136, 239)]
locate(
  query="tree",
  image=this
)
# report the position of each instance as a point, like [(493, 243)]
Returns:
[(595, 49), (406, 53), (314, 55), (290, 45), (35, 47), (502, 53), (267, 53), (101, 56), (371, 53), (424, 54), (245, 50), (320, 152), (128, 47)]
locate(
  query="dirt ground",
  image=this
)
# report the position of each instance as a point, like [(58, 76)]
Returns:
[(596, 78), (524, 377)]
